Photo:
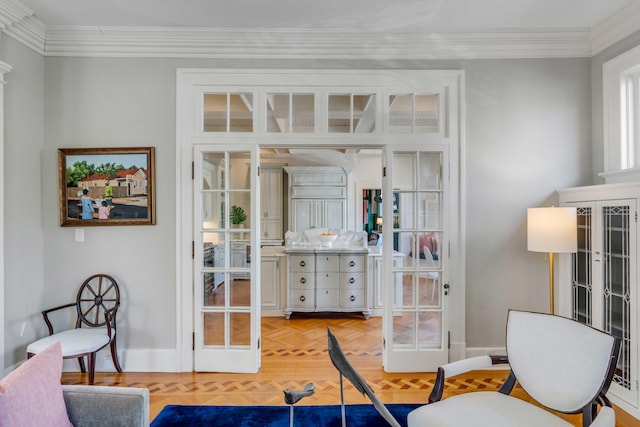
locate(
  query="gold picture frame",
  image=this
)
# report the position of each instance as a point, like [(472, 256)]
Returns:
[(106, 186)]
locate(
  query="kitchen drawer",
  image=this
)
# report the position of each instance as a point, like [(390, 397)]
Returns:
[(327, 263), (302, 263), (302, 280), (352, 298), (352, 280), (327, 280), (327, 298), (302, 298), (352, 262)]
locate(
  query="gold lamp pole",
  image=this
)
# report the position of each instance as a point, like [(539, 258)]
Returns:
[(552, 230)]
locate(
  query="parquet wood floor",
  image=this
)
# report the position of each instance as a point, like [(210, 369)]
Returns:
[(294, 353)]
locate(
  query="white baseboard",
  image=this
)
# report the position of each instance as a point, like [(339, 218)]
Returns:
[(165, 360), (626, 407), (486, 351), (131, 361)]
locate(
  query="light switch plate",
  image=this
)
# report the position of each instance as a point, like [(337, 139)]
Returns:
[(79, 234)]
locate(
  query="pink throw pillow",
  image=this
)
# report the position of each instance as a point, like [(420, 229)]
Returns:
[(31, 395)]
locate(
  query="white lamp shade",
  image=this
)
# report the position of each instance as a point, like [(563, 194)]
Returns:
[(552, 230)]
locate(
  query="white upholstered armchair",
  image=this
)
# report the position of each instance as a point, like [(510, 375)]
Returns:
[(562, 364)]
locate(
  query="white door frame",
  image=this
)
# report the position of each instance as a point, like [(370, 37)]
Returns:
[(189, 131)]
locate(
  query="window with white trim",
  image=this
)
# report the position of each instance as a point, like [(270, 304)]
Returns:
[(621, 110)]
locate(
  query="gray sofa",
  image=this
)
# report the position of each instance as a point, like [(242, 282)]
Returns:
[(105, 406)]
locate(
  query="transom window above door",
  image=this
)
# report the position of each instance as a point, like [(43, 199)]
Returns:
[(317, 111)]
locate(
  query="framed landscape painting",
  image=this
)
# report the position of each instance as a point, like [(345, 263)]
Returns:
[(106, 186)]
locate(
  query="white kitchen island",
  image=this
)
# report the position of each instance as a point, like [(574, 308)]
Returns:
[(327, 280)]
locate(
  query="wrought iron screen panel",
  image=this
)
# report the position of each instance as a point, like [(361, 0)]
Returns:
[(616, 285), (581, 271)]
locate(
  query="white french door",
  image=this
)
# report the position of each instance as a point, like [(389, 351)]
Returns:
[(415, 197), (226, 289)]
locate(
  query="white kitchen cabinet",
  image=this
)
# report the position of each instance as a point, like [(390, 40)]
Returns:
[(599, 283), (270, 283), (314, 213), (271, 203), (317, 197), (327, 281)]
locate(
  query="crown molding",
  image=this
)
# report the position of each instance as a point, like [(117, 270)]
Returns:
[(291, 44), (624, 23), (18, 22)]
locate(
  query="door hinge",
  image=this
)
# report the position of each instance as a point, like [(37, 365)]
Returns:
[(193, 170), (193, 340), (636, 215), (193, 249), (258, 170), (449, 340), (384, 343), (258, 343), (384, 171)]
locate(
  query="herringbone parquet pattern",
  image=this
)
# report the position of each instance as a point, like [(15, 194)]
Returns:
[(295, 352)]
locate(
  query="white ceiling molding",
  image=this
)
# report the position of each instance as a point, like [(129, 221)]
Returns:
[(622, 24), (18, 22), (207, 43)]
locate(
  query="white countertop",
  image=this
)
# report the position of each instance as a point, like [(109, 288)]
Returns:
[(266, 251)]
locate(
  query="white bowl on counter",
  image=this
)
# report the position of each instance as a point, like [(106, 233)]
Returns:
[(327, 239)]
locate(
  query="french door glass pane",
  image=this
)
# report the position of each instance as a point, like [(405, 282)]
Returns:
[(404, 330), (213, 328), (240, 290), (417, 208), (240, 331), (430, 326), (429, 289)]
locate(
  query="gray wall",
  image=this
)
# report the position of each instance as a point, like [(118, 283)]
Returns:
[(26, 290), (528, 133)]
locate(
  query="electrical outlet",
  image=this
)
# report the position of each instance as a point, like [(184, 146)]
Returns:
[(107, 364)]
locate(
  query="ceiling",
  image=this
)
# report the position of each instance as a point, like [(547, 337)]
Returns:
[(441, 15), (327, 29)]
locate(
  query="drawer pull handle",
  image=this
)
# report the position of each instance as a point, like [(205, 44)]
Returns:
[(303, 280), (352, 263), (352, 298), (352, 280), (302, 263), (302, 298)]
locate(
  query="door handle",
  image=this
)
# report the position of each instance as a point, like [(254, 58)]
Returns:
[(446, 289)]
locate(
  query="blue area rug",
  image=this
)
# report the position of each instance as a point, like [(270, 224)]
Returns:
[(277, 416)]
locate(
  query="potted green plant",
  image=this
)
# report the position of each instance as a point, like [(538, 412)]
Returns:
[(237, 216)]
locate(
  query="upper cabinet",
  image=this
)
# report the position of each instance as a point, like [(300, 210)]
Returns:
[(271, 203), (317, 197)]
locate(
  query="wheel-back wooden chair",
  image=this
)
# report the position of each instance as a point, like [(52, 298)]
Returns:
[(562, 364), (96, 305)]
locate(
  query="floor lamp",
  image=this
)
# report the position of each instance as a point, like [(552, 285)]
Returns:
[(552, 230)]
